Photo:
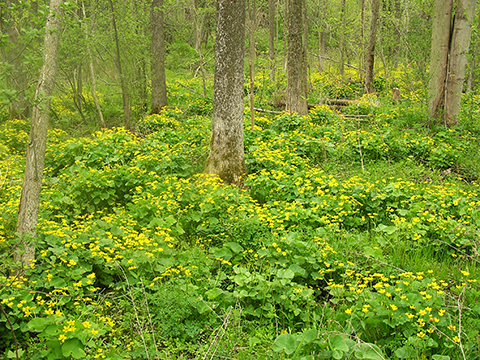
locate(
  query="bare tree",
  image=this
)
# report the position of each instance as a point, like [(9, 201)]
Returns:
[(159, 85), (371, 47), (448, 59), (226, 158), (296, 59), (32, 181)]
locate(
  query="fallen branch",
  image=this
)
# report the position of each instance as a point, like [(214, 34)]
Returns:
[(267, 111), (189, 88)]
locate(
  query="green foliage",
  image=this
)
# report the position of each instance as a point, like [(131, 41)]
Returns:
[(138, 252)]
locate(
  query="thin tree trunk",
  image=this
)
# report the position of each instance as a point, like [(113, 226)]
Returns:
[(199, 22), (32, 181), (342, 39), (271, 38), (442, 17), (471, 72), (296, 95), (125, 95), (321, 50), (371, 47), (457, 65), (252, 15), (92, 70), (226, 158), (362, 42), (159, 84)]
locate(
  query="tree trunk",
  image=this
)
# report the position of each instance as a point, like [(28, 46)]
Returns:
[(473, 59), (32, 181), (342, 39), (226, 158), (457, 64), (371, 47), (199, 21), (159, 85), (125, 95), (252, 21), (92, 70), (296, 95), (442, 17), (271, 38)]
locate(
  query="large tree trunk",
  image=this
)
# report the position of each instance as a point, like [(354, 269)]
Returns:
[(32, 181), (457, 64), (371, 47), (226, 158), (473, 59), (442, 17), (159, 85), (296, 94)]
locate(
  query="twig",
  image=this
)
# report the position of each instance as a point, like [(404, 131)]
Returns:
[(457, 249), (11, 329), (267, 111), (360, 148), (150, 320), (135, 310), (219, 335), (189, 88), (381, 262), (459, 304)]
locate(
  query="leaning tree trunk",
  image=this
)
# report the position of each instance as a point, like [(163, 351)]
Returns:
[(371, 47), (32, 181), (159, 86), (457, 64), (442, 17), (226, 158), (296, 94)]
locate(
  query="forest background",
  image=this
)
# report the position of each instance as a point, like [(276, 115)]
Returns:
[(353, 232)]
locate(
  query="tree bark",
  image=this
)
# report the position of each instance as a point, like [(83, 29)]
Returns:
[(32, 181), (271, 38), (371, 47), (442, 17), (296, 94), (252, 22), (159, 85), (92, 70), (457, 65), (125, 95), (226, 158), (199, 20), (342, 45)]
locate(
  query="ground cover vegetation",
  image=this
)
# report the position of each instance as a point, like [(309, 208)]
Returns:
[(141, 256), (354, 236)]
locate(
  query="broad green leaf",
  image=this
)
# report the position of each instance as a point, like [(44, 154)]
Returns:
[(337, 354), (337, 342), (70, 346), (440, 357), (39, 324), (213, 293), (236, 248), (285, 342), (308, 336)]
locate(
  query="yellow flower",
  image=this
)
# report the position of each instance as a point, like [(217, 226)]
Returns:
[(348, 311), (394, 307), (456, 339), (62, 338), (94, 332), (86, 325), (421, 334)]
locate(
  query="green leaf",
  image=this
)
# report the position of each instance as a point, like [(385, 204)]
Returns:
[(213, 293), (308, 336), (440, 357), (337, 342), (285, 342), (38, 324), (337, 354), (236, 248), (72, 347), (297, 270)]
